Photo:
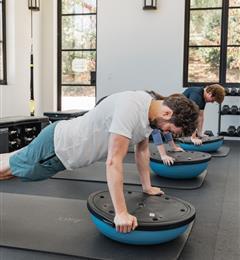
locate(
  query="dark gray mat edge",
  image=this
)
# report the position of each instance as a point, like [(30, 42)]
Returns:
[(96, 173), (223, 151), (36, 223)]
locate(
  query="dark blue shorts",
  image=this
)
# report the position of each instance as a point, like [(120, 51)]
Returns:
[(38, 160)]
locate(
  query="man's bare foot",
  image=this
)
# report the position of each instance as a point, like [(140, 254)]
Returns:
[(6, 174), (4, 161)]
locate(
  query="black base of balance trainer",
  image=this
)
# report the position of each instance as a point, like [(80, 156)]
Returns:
[(223, 151), (160, 218), (209, 144), (97, 173), (64, 226)]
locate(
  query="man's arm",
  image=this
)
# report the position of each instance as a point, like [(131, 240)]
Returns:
[(157, 139), (142, 160), (198, 132), (169, 139), (117, 149), (200, 123)]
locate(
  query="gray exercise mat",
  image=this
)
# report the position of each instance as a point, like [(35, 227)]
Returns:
[(97, 173), (223, 151), (63, 226)]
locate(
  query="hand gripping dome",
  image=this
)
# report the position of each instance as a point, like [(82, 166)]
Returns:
[(210, 144), (186, 165), (160, 218)]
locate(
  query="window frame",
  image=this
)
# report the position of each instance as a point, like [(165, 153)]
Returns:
[(60, 51), (223, 45), (3, 81)]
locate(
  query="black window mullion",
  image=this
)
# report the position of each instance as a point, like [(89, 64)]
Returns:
[(3, 80), (186, 43), (59, 57), (206, 8), (224, 38), (79, 50), (78, 14), (204, 46)]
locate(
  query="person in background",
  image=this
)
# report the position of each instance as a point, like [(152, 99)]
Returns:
[(158, 141), (201, 96)]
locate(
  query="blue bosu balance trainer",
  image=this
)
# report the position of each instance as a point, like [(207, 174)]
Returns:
[(186, 165), (209, 144), (160, 218)]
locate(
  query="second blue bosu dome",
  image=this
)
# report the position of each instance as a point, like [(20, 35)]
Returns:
[(209, 144), (160, 218), (187, 165)]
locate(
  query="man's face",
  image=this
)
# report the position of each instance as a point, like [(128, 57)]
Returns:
[(165, 126), (209, 98)]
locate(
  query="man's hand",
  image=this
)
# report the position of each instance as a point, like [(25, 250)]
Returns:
[(178, 149), (153, 191), (203, 135), (167, 160), (125, 222), (196, 141)]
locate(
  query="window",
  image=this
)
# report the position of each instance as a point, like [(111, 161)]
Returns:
[(76, 54), (3, 60), (212, 43)]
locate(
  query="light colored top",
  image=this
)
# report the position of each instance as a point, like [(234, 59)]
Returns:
[(83, 140)]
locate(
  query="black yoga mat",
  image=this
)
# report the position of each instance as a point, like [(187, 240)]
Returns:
[(97, 173), (223, 151), (63, 226)]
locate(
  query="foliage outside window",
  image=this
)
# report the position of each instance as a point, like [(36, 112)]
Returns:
[(212, 42), (3, 63), (76, 54)]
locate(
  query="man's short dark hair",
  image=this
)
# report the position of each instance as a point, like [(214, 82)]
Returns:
[(185, 113)]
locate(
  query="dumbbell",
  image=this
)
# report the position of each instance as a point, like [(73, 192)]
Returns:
[(15, 144), (30, 131), (227, 91), (28, 140), (225, 109), (231, 130), (238, 91), (209, 133), (238, 131), (234, 92), (234, 109)]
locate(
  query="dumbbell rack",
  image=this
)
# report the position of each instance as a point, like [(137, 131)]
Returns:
[(220, 114), (17, 132)]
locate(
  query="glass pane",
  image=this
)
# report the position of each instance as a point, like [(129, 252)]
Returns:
[(234, 26), (78, 97), (233, 65), (79, 32), (78, 6), (77, 66), (203, 64), (205, 3), (234, 3), (1, 61), (205, 27)]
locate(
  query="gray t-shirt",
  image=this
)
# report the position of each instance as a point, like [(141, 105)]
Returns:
[(83, 140)]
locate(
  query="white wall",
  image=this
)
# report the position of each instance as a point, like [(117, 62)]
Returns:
[(15, 95), (136, 49), (140, 49)]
